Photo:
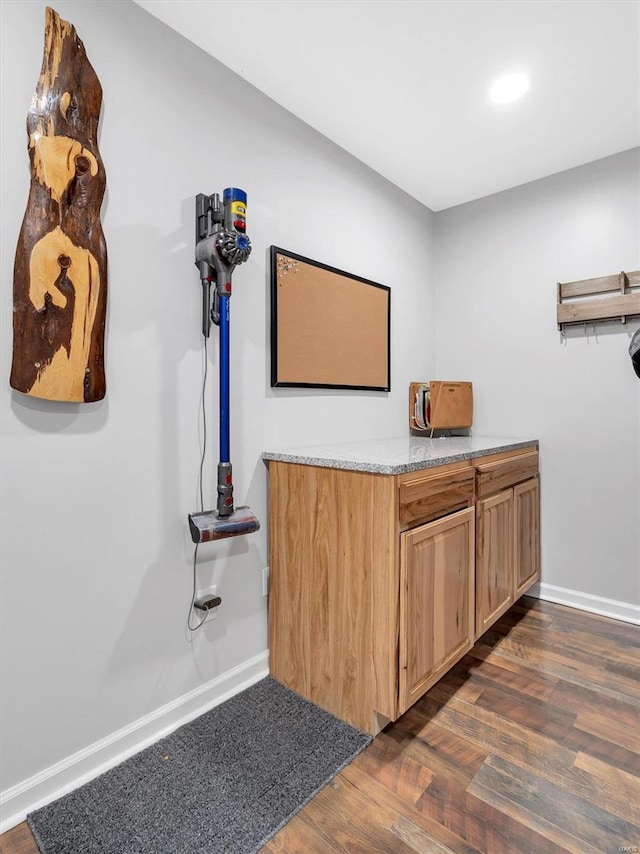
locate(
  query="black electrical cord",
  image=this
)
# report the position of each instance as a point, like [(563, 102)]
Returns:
[(193, 596), (200, 478)]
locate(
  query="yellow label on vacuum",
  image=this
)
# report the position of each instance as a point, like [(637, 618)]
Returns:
[(238, 208)]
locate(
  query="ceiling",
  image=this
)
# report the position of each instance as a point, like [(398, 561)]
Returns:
[(403, 84)]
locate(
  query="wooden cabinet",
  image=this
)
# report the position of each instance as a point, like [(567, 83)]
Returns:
[(527, 535), (333, 599), (502, 470), (507, 534), (379, 583), (494, 559), (436, 601), (428, 496)]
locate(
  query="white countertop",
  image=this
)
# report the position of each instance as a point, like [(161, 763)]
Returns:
[(397, 455)]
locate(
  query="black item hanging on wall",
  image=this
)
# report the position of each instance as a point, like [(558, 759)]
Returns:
[(634, 352)]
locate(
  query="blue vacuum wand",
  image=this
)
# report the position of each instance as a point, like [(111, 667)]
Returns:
[(221, 245)]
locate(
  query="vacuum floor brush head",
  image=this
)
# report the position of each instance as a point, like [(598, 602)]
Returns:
[(209, 526)]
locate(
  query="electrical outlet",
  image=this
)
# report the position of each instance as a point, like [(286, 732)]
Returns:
[(205, 603), (265, 581)]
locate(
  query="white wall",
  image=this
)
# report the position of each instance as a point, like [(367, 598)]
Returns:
[(497, 263), (96, 558)]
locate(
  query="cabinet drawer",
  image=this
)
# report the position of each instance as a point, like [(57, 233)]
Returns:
[(494, 477), (427, 498)]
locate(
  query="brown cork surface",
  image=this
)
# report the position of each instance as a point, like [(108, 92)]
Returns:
[(332, 329)]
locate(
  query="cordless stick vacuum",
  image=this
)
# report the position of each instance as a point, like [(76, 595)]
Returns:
[(221, 245)]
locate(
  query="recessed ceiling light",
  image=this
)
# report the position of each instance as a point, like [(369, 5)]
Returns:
[(508, 88)]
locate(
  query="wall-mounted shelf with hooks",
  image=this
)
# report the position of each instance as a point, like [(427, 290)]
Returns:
[(620, 300)]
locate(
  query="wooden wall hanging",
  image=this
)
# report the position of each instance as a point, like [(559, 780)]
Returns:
[(618, 297), (60, 273)]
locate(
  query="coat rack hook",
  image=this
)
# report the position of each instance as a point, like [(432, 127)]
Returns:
[(617, 297)]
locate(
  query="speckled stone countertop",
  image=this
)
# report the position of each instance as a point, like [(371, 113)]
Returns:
[(399, 455)]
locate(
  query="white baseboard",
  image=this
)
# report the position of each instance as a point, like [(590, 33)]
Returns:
[(587, 602), (86, 764)]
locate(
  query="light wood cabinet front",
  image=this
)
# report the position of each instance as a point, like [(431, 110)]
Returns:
[(499, 474), (436, 601), (333, 597), (494, 559), (373, 586), (507, 532), (527, 535), (428, 497)]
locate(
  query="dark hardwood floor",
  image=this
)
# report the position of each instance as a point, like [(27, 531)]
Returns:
[(530, 744)]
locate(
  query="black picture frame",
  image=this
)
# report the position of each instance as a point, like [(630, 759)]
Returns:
[(338, 331)]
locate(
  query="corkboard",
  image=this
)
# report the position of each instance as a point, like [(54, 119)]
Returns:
[(329, 329)]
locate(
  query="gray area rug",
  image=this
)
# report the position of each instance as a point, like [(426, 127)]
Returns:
[(226, 782)]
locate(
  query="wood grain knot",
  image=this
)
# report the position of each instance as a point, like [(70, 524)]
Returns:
[(82, 164), (64, 261)]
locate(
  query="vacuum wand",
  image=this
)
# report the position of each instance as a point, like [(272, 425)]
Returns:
[(221, 245), (225, 474)]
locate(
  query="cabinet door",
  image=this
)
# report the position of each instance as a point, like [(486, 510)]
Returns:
[(436, 601), (494, 559), (527, 535)]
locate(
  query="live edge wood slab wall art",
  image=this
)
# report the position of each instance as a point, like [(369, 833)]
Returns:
[(60, 274)]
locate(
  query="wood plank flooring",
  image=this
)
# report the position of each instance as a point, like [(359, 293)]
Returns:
[(530, 744)]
